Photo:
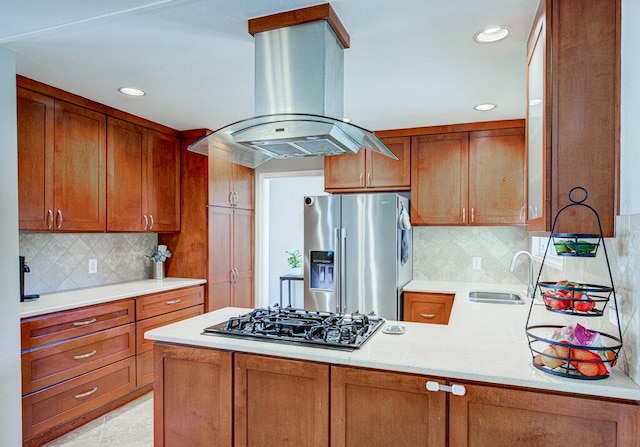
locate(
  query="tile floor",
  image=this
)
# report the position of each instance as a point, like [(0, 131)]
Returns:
[(130, 426)]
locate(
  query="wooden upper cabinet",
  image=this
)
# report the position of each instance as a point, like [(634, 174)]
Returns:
[(35, 160), (62, 165), (497, 177), (344, 171), (468, 178), (163, 203), (127, 176), (144, 179), (230, 184), (368, 170), (579, 142), (439, 190)]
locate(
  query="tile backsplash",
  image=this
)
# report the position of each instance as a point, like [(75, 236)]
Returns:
[(446, 254), (60, 261)]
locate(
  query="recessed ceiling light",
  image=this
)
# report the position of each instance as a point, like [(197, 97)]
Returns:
[(535, 101), (485, 107), (346, 120), (131, 91), (492, 34)]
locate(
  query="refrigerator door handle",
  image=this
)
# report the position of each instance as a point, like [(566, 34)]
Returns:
[(343, 270), (338, 267)]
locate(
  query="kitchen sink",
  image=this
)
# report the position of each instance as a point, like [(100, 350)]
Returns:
[(495, 297)]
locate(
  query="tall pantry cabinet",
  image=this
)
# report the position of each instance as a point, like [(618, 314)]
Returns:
[(216, 237)]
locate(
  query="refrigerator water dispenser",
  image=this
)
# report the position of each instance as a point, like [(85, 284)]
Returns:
[(321, 271)]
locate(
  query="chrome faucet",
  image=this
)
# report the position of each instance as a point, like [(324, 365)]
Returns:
[(530, 286)]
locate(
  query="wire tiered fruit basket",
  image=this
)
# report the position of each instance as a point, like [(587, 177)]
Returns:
[(572, 350)]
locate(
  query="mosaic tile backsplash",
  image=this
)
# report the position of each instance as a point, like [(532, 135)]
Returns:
[(446, 254), (60, 261)]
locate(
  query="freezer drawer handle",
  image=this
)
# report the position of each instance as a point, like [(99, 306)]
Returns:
[(456, 390), (88, 393), (85, 356), (428, 316), (84, 323)]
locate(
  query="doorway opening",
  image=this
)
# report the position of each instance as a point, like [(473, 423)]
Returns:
[(280, 229)]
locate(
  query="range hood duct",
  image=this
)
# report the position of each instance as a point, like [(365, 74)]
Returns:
[(299, 91)]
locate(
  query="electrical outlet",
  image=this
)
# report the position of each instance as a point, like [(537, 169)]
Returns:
[(93, 266), (477, 263)]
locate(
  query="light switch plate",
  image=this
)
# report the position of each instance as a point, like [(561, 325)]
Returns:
[(93, 266), (477, 263)]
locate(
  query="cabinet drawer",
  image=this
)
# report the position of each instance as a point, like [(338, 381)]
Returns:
[(65, 401), (52, 364), (161, 303), (432, 308), (144, 368), (142, 344), (38, 331)]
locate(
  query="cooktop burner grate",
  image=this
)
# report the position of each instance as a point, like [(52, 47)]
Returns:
[(289, 325)]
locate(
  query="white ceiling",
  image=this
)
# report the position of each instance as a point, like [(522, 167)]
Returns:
[(411, 62)]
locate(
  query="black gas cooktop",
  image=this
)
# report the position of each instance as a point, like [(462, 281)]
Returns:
[(307, 327)]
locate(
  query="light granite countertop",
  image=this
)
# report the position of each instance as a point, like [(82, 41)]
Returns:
[(482, 342), (71, 299)]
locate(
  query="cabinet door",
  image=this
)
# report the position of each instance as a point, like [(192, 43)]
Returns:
[(243, 224), (383, 408), (220, 182), (35, 160), (385, 173), (439, 179), (127, 176), (198, 414), (499, 417), (163, 186), (496, 177), (280, 402), (344, 171), (220, 257), (79, 181), (243, 187)]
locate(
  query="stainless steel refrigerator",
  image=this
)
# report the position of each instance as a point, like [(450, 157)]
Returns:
[(357, 253)]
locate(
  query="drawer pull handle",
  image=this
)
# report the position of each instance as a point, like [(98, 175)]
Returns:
[(88, 393), (428, 316), (85, 356), (174, 301), (84, 323)]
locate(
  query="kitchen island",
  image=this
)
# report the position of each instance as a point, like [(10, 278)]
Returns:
[(483, 348)]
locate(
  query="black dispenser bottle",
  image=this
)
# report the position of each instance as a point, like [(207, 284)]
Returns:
[(24, 268)]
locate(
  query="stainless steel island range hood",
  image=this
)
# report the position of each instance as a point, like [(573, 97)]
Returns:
[(299, 89)]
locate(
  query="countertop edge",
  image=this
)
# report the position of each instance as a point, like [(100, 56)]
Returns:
[(72, 299)]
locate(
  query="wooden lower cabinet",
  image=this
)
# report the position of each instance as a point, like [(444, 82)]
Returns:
[(385, 408), (422, 307), (287, 402), (280, 402), (493, 416), (58, 404), (192, 397)]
